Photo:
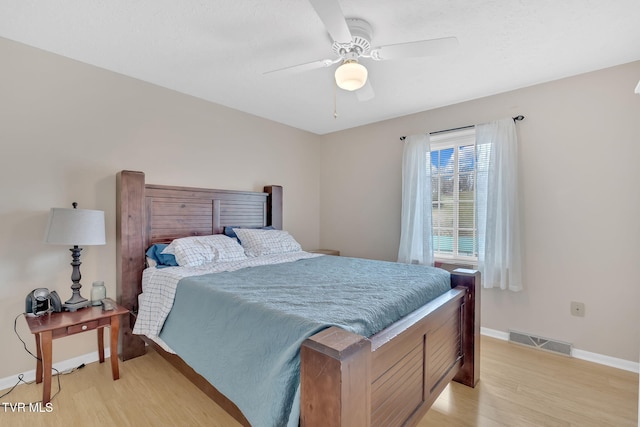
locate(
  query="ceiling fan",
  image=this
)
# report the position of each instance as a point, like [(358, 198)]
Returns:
[(352, 42)]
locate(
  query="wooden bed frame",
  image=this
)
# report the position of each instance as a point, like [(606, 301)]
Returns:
[(389, 379)]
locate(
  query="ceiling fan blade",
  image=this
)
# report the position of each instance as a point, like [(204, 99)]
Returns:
[(331, 15), (415, 49), (365, 93), (323, 63)]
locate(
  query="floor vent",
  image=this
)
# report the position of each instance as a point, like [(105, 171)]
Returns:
[(540, 343)]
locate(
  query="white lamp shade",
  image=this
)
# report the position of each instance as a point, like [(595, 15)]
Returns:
[(75, 227), (351, 75)]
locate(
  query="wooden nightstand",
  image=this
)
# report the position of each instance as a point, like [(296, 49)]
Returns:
[(48, 327)]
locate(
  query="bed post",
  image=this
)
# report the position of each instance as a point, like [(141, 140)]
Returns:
[(274, 206), (129, 256), (335, 376), (469, 373)]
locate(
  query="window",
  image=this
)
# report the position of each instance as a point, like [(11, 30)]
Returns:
[(453, 186)]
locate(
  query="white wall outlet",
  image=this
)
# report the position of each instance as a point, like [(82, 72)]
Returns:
[(577, 308)]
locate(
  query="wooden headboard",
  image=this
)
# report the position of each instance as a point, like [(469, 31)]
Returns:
[(148, 214)]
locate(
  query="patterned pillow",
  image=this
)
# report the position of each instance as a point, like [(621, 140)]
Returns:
[(228, 230), (198, 250), (266, 242)]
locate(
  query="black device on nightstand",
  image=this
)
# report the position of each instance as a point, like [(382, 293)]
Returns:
[(41, 301)]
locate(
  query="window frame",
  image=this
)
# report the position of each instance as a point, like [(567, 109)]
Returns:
[(456, 139)]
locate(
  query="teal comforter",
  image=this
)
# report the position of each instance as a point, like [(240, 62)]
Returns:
[(242, 330)]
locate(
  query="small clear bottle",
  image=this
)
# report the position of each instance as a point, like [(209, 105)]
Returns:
[(98, 293)]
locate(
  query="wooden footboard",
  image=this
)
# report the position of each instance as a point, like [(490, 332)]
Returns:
[(394, 377), (389, 379)]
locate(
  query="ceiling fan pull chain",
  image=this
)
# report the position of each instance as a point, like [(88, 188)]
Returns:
[(335, 103)]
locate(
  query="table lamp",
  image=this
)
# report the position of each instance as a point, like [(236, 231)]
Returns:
[(75, 227)]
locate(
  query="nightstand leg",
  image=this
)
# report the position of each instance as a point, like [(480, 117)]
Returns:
[(38, 360), (101, 344), (115, 329), (46, 337)]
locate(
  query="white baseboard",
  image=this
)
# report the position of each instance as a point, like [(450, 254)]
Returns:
[(601, 359), (504, 336), (65, 365), (626, 365)]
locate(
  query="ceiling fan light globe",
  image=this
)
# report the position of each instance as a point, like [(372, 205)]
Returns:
[(351, 76)]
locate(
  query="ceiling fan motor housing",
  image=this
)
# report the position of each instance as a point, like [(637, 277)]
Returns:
[(360, 43)]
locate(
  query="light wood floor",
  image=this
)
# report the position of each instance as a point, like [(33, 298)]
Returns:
[(518, 386)]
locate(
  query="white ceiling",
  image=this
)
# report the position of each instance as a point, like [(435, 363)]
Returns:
[(218, 50)]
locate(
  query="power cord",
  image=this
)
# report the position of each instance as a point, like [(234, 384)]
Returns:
[(20, 380), (21, 376)]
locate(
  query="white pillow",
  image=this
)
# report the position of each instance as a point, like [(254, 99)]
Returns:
[(265, 242), (198, 250)]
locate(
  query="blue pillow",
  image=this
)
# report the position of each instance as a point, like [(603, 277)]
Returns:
[(162, 260), (228, 230)]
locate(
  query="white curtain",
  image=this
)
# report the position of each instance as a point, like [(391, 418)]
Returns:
[(416, 243), (499, 250)]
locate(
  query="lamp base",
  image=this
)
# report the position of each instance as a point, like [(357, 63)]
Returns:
[(76, 302)]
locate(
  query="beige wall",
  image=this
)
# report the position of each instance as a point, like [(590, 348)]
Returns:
[(579, 151), (67, 128)]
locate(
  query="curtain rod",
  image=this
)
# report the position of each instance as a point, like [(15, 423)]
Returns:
[(516, 118)]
